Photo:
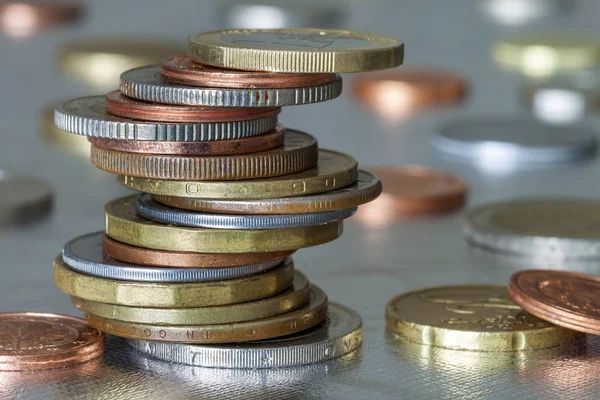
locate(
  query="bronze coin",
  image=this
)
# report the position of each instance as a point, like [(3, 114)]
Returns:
[(25, 18)]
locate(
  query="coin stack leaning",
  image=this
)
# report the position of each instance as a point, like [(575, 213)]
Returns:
[(202, 257)]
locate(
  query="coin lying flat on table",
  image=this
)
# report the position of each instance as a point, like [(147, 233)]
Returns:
[(312, 314), (37, 341), (470, 317), (551, 228), (298, 153), (88, 116), (338, 335), (291, 299), (23, 199), (153, 294), (296, 50), (563, 298), (333, 171), (25, 18), (124, 225), (146, 84)]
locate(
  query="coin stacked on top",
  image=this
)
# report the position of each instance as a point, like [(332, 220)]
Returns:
[(203, 255)]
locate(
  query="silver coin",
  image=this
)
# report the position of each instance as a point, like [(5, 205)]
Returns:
[(518, 142), (23, 198), (339, 335), (550, 228), (145, 83), (84, 254), (154, 211), (521, 12), (88, 116)]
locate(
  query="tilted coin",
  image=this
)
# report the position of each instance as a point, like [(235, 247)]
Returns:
[(563, 298), (470, 317), (154, 211), (64, 141), (298, 153), (296, 50), (366, 189), (23, 198), (333, 171), (24, 18), (37, 341), (146, 84), (175, 295), (84, 254), (88, 116), (312, 314), (338, 335), (545, 228), (291, 299), (124, 225)]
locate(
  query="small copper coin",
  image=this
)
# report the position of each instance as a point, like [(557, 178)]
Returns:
[(566, 299), (25, 18), (36, 341), (181, 69), (126, 107), (167, 259), (252, 144)]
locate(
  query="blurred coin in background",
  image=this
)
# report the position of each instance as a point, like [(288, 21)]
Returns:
[(521, 12), (27, 18), (23, 199)]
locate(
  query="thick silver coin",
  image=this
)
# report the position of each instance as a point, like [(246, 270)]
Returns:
[(88, 116), (154, 211), (544, 228), (145, 83), (339, 335), (23, 199), (84, 254)]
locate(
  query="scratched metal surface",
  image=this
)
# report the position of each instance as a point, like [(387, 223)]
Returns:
[(363, 269)]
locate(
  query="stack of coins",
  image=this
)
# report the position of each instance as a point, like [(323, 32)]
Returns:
[(202, 255)]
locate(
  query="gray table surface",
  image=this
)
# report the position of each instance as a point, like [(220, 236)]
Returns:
[(363, 269)]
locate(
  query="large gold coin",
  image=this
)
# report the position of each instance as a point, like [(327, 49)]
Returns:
[(197, 294), (334, 171), (299, 50), (289, 300), (471, 317), (123, 225), (304, 318)]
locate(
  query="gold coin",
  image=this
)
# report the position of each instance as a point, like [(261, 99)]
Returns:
[(299, 50), (197, 294), (471, 317), (289, 300), (62, 140), (298, 153), (333, 171), (123, 225), (313, 313)]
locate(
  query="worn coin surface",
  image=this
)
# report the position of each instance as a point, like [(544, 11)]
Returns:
[(23, 199)]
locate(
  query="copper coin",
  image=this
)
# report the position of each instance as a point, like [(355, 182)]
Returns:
[(181, 69), (252, 144), (410, 190), (35, 341), (126, 107), (24, 18), (566, 299), (167, 259)]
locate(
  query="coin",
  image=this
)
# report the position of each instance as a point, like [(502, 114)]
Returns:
[(154, 211), (36, 341), (24, 199), (333, 171), (295, 50), (182, 70), (145, 83), (515, 142), (291, 299), (340, 334), (126, 107), (174, 295), (25, 18), (522, 12), (563, 298), (545, 228), (84, 254), (72, 144), (88, 116), (470, 317), (289, 323), (168, 259), (124, 225), (298, 153), (545, 54)]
